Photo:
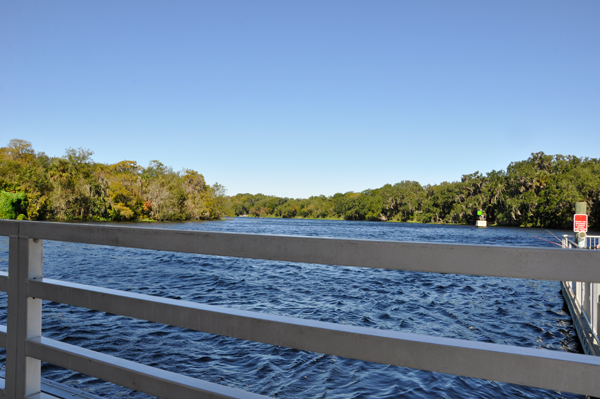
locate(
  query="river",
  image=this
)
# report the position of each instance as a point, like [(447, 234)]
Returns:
[(526, 313)]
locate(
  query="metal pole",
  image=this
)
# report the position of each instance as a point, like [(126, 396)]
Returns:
[(580, 238), (581, 208), (24, 317)]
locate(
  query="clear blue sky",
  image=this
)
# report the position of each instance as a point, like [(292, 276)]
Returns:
[(301, 98)]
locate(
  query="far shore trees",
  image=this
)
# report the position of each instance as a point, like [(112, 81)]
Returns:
[(537, 192), (73, 187)]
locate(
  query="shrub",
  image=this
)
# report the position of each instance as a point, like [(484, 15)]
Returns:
[(12, 205)]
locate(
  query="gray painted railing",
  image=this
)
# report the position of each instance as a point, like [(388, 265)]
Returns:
[(586, 298), (26, 287)]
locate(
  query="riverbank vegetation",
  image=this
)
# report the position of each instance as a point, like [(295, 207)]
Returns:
[(538, 192), (35, 186)]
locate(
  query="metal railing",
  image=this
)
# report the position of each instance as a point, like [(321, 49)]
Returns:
[(591, 242), (26, 287), (586, 294)]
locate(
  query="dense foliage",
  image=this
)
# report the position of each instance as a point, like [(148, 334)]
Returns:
[(73, 187), (540, 192)]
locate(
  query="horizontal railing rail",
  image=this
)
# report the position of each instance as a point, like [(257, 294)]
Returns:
[(151, 380), (479, 260), (525, 366)]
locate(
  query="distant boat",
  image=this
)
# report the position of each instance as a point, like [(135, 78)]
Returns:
[(481, 222)]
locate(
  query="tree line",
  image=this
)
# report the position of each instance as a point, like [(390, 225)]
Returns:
[(538, 192), (35, 186)]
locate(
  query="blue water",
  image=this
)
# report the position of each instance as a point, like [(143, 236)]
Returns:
[(526, 313)]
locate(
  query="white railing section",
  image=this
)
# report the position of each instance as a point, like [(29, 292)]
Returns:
[(26, 287), (591, 242), (586, 294)]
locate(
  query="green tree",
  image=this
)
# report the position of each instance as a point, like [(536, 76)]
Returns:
[(12, 205)]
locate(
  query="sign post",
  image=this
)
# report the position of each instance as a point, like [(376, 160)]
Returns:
[(580, 224)]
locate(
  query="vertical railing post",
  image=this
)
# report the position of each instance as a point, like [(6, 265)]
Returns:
[(596, 308), (586, 305), (24, 317), (597, 326)]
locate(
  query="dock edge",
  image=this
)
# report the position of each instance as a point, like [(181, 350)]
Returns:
[(588, 339)]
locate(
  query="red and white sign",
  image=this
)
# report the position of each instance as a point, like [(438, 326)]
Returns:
[(580, 223)]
